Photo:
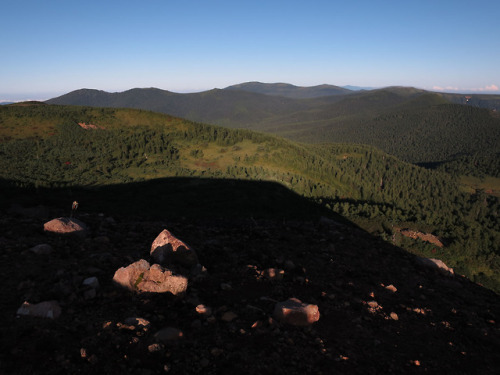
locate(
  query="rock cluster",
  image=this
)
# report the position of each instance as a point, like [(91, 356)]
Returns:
[(279, 296)]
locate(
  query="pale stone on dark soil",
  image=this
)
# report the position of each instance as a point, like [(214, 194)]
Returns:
[(167, 249), (296, 313), (46, 309), (65, 225)]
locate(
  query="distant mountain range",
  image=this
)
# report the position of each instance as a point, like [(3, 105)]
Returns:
[(290, 91), (416, 125)]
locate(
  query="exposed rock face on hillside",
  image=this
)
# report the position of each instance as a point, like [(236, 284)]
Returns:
[(427, 237), (380, 311)]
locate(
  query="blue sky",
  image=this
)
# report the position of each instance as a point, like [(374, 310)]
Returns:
[(49, 47)]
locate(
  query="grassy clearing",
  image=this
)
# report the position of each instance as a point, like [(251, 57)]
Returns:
[(490, 185)]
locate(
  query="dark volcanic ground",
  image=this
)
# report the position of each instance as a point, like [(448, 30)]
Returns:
[(381, 312)]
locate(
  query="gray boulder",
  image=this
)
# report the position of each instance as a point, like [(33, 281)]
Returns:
[(46, 309)]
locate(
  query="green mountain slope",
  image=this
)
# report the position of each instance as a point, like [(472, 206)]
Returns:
[(412, 124), (43, 147)]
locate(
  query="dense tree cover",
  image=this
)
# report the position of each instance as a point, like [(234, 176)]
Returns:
[(372, 188), (412, 124)]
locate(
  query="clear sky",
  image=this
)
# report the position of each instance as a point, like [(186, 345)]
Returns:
[(52, 47)]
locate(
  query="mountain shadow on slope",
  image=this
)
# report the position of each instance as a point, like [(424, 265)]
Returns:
[(380, 310), (176, 197)]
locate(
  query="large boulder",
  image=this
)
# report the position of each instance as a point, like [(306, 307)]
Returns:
[(296, 313), (65, 225), (437, 265), (141, 277), (168, 249)]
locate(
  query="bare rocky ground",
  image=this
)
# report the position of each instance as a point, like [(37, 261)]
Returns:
[(381, 311)]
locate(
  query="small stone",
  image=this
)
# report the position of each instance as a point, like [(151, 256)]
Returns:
[(226, 286), (391, 288), (153, 348), (394, 316), (83, 353), (274, 274), (229, 316), (203, 310), (169, 334), (296, 313), (372, 304), (92, 282), (42, 249)]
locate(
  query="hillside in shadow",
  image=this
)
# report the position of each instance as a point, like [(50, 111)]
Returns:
[(176, 197), (381, 310)]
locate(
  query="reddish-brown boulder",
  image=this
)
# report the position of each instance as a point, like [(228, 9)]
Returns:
[(141, 277), (296, 313), (168, 249), (65, 225)]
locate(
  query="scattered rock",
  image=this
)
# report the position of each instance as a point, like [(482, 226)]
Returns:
[(137, 322), (296, 313), (42, 249), (274, 274), (167, 249), (153, 348), (394, 316), (65, 225), (47, 309), (142, 277)]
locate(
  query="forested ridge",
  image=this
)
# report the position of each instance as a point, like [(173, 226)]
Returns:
[(449, 131), (44, 147)]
